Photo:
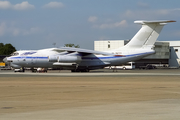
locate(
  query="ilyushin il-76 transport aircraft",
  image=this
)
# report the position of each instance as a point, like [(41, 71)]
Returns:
[(83, 60)]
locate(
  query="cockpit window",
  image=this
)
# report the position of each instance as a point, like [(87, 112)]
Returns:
[(14, 54)]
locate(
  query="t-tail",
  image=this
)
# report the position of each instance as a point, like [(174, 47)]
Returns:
[(147, 35)]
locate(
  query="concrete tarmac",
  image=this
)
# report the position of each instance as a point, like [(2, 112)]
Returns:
[(98, 95)]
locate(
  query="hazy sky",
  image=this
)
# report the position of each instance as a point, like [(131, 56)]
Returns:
[(36, 24)]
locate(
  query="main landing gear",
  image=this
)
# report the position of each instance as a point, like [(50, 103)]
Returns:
[(77, 70)]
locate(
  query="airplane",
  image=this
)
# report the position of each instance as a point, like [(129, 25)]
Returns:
[(84, 60)]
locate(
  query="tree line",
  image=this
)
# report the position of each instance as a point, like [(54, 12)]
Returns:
[(71, 45), (6, 49)]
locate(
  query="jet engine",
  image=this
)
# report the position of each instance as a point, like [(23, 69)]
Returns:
[(53, 58), (65, 58)]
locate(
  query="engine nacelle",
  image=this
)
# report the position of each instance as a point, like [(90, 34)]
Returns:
[(65, 58), (53, 58)]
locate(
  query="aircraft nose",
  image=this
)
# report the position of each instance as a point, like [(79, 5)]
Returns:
[(5, 59)]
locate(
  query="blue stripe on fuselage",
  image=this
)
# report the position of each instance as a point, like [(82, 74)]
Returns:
[(28, 57)]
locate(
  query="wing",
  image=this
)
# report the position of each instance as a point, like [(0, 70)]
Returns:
[(81, 51)]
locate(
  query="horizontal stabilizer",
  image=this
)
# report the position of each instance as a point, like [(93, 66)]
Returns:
[(148, 34), (151, 22)]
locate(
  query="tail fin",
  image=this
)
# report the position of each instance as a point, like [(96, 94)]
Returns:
[(148, 34)]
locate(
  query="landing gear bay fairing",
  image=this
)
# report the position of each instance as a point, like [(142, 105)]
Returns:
[(83, 60)]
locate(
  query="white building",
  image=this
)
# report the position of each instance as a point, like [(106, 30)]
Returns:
[(174, 58), (109, 44), (167, 52)]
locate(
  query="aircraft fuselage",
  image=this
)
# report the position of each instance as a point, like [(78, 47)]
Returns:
[(91, 61)]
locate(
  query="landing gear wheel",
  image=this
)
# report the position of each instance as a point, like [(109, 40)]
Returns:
[(85, 70)]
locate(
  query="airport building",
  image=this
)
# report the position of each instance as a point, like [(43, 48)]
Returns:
[(167, 52), (174, 58)]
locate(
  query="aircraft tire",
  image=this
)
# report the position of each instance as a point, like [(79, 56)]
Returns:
[(85, 70), (75, 70)]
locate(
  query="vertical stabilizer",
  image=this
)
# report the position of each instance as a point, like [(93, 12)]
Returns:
[(148, 34)]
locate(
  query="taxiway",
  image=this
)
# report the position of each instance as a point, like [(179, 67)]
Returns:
[(102, 95)]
